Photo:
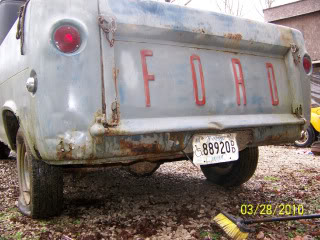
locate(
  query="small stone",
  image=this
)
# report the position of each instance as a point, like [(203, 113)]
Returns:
[(298, 238), (307, 237), (260, 235), (184, 231)]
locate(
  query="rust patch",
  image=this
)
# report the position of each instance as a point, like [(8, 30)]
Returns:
[(104, 106), (297, 110), (283, 135), (115, 107), (62, 152), (115, 132), (178, 138), (200, 30), (137, 148), (276, 138), (97, 140), (236, 36), (65, 151), (115, 73), (286, 36), (295, 53)]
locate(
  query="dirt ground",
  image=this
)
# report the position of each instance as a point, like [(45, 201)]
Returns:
[(176, 202)]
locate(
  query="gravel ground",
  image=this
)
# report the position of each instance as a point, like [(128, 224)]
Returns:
[(176, 202)]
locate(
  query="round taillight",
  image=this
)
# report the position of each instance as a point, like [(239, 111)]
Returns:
[(67, 38), (307, 64)]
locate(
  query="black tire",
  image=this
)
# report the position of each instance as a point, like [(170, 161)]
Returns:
[(307, 138), (40, 184), (4, 151), (234, 173)]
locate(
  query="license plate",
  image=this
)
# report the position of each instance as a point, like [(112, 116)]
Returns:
[(211, 149)]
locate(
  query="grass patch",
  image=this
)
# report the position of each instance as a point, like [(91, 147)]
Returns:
[(291, 235), (271, 178), (208, 235), (18, 236), (2, 216), (77, 222)]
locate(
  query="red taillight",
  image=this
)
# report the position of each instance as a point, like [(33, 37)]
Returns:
[(67, 38), (307, 64)]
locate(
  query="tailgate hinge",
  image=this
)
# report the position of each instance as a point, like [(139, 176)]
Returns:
[(108, 25), (295, 53), (115, 107), (20, 26)]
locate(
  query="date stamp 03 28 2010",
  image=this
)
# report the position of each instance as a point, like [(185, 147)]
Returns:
[(272, 210)]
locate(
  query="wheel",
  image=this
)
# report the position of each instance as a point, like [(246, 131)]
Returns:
[(4, 151), (40, 184), (143, 169), (307, 138), (233, 173)]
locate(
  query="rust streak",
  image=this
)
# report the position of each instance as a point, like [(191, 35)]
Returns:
[(286, 36), (115, 113), (115, 79), (104, 106), (232, 36), (116, 132), (178, 138), (140, 148)]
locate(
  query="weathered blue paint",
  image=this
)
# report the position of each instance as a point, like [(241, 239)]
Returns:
[(65, 122)]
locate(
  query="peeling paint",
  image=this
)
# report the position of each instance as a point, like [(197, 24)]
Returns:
[(75, 145), (137, 148), (115, 107)]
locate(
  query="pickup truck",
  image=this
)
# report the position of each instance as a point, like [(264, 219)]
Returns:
[(139, 83)]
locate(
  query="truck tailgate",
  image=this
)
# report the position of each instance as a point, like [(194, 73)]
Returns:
[(176, 69)]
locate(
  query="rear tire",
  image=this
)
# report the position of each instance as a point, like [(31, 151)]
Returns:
[(234, 173), (4, 151), (40, 184), (307, 138)]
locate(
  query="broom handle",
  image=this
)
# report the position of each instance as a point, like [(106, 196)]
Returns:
[(250, 221)]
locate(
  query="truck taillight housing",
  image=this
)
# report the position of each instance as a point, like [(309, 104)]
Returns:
[(307, 64), (67, 38)]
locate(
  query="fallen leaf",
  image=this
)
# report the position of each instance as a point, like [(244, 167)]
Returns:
[(64, 237), (307, 237), (315, 233)]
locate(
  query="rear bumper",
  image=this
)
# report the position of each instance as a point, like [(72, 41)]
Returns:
[(202, 123), (138, 140)]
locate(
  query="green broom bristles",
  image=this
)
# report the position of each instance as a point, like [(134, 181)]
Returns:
[(229, 227)]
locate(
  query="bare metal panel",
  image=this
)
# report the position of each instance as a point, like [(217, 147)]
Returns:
[(147, 77)]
